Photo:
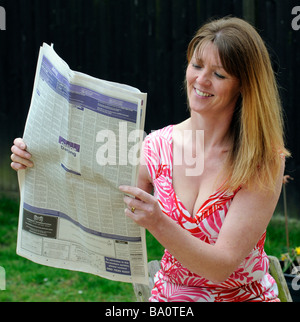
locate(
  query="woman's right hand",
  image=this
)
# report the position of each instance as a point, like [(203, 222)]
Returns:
[(20, 157)]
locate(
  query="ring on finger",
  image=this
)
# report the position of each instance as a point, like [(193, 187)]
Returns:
[(133, 209)]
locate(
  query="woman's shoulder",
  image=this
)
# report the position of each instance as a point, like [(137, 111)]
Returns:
[(163, 134), (168, 131)]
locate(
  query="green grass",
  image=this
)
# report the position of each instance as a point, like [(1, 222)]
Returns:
[(30, 282), (276, 237)]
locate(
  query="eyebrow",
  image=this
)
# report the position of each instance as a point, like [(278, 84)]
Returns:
[(200, 60), (218, 66)]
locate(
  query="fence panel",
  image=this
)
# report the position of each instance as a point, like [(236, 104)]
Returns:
[(139, 42)]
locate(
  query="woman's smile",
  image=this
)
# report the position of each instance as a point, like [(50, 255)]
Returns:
[(202, 94)]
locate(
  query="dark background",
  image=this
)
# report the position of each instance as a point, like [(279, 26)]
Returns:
[(141, 43)]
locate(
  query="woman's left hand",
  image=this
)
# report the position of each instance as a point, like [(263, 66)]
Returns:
[(144, 209)]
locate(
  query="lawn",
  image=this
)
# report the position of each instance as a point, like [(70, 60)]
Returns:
[(29, 282)]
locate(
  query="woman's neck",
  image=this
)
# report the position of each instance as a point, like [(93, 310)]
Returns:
[(216, 131)]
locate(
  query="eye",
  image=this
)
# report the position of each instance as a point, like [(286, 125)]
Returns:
[(220, 76), (196, 66)]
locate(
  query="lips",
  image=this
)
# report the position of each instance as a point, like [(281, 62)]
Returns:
[(202, 94)]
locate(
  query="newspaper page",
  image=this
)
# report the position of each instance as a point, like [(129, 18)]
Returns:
[(85, 136)]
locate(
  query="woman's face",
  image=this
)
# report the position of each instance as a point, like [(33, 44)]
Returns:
[(210, 89)]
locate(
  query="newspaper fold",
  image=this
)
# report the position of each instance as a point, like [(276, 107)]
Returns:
[(85, 136)]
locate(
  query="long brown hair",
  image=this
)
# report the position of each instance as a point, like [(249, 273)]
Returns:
[(257, 124)]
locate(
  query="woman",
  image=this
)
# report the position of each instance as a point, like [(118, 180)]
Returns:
[(213, 222)]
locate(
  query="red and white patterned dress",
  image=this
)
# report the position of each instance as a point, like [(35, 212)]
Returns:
[(175, 283)]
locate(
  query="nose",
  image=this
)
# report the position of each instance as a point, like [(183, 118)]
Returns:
[(203, 78)]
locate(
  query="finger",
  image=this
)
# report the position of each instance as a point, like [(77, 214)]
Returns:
[(20, 143), (25, 162), (17, 166), (133, 204), (136, 217), (137, 193), (20, 152), (130, 214)]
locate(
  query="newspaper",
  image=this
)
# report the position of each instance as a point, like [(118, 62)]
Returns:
[(85, 136)]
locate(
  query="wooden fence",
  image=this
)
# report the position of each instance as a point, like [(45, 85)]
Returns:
[(138, 42)]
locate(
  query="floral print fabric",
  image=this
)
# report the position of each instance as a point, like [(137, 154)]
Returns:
[(175, 283)]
